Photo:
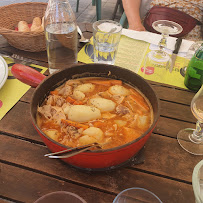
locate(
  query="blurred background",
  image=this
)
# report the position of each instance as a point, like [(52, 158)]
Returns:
[(86, 12)]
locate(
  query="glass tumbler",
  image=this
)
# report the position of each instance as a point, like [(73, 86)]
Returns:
[(60, 197), (106, 37), (136, 195), (197, 182)]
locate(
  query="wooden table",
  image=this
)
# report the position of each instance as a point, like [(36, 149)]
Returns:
[(26, 175)]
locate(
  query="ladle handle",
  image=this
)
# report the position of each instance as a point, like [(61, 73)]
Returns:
[(27, 75), (72, 152)]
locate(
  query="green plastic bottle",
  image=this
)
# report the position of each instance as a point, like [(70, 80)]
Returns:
[(194, 74)]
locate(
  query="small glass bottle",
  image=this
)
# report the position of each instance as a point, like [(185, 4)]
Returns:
[(61, 35), (194, 74)]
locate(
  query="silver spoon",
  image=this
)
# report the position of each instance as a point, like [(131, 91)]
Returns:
[(72, 152), (82, 39)]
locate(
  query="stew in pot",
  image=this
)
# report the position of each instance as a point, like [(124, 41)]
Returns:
[(88, 110)]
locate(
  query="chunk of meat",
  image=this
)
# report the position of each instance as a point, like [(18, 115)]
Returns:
[(55, 100), (72, 131), (45, 111), (58, 115), (122, 110), (65, 91), (52, 112), (118, 98)]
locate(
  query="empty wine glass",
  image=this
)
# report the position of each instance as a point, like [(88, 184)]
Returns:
[(157, 63), (166, 28), (192, 139)]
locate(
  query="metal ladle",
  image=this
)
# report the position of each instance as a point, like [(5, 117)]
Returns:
[(74, 151)]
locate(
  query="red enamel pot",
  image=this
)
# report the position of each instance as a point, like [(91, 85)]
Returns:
[(100, 159)]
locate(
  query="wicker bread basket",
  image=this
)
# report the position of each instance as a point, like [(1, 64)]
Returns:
[(10, 16)]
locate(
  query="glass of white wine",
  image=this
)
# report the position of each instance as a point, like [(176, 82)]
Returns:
[(192, 139)]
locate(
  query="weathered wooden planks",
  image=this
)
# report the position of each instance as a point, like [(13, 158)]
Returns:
[(27, 186), (30, 157)]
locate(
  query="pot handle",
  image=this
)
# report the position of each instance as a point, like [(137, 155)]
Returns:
[(27, 75)]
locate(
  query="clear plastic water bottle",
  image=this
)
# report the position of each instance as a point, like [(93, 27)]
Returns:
[(61, 35)]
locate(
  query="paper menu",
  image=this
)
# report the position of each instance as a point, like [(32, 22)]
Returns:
[(131, 55)]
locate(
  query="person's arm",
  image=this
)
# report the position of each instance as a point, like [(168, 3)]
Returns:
[(132, 11)]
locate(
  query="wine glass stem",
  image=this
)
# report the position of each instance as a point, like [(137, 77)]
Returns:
[(197, 136), (162, 42)]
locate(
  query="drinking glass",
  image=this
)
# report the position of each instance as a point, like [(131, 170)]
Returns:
[(60, 197), (192, 139), (157, 63), (166, 28), (106, 37), (197, 182), (136, 195)]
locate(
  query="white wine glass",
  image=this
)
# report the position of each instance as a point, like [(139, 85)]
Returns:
[(192, 139), (157, 63)]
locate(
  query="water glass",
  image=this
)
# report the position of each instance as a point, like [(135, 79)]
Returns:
[(136, 195), (156, 66), (60, 197), (197, 182), (106, 37)]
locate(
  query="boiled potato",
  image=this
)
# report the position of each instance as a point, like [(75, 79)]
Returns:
[(78, 95), (86, 139), (120, 123), (142, 121), (131, 133), (91, 135), (83, 113), (94, 132), (53, 134), (85, 88), (108, 115), (103, 104), (119, 90)]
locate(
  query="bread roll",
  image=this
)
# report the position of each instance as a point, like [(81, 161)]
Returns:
[(36, 25), (23, 26)]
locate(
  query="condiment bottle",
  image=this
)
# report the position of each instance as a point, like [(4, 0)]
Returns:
[(61, 35), (194, 74)]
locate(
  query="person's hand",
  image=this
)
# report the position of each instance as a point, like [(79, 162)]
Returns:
[(138, 27)]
